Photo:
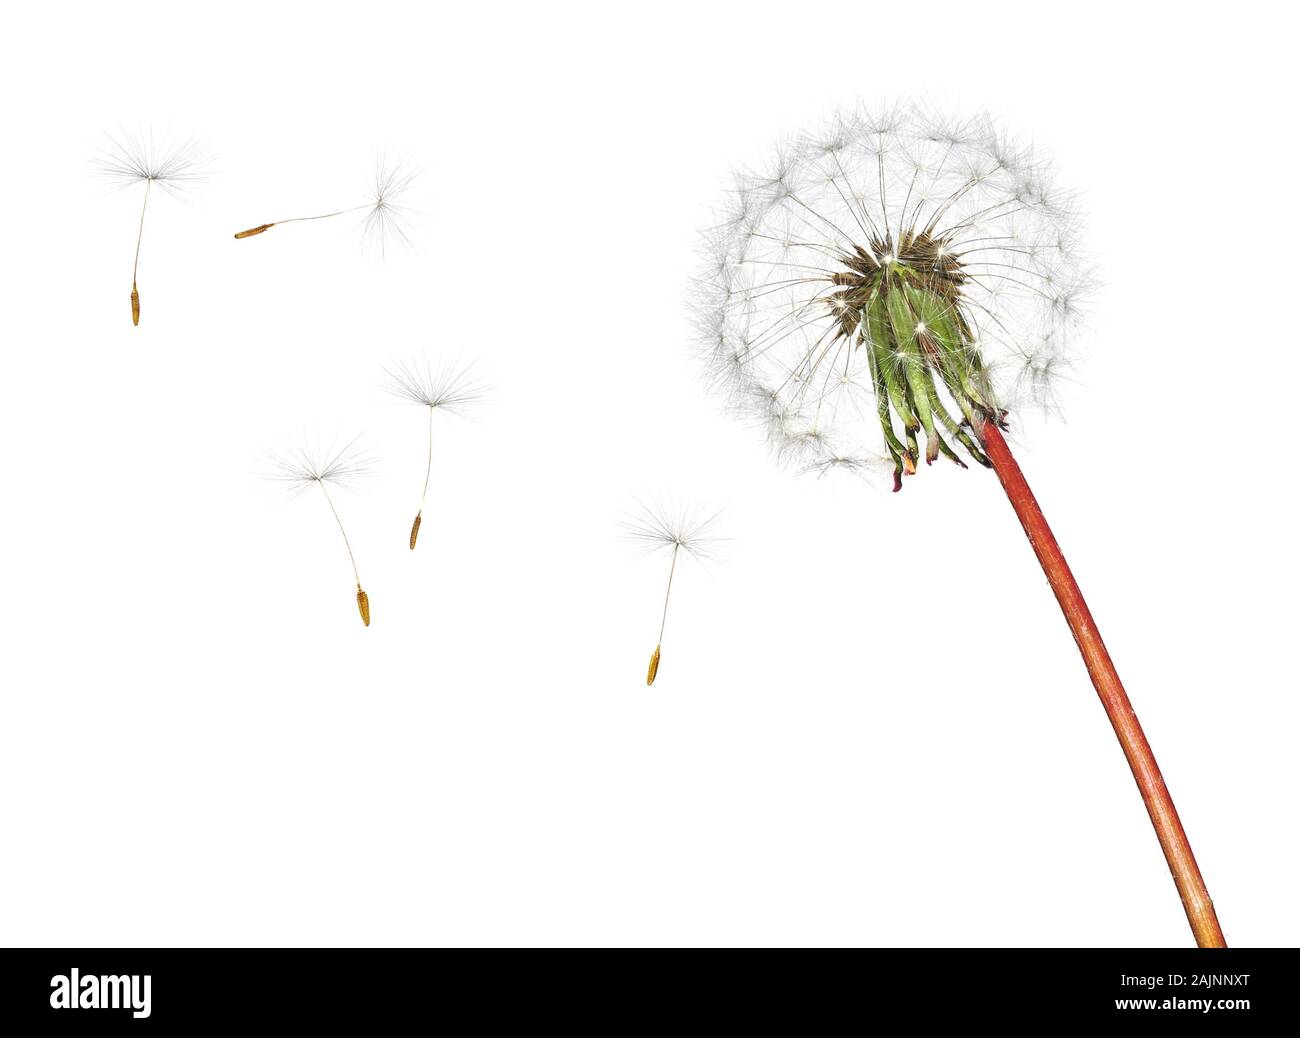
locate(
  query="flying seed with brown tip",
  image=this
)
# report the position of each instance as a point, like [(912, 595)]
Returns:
[(386, 215), (363, 604), (677, 532), (450, 388), (159, 168)]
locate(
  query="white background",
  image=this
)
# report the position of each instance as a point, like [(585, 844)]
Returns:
[(870, 726)]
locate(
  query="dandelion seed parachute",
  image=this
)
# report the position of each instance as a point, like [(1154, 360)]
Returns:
[(896, 278), (136, 158), (663, 528), (451, 388), (387, 218), (301, 468)]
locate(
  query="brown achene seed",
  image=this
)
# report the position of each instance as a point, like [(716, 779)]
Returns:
[(363, 604), (415, 530), (935, 267), (654, 667), (255, 230), (135, 305)]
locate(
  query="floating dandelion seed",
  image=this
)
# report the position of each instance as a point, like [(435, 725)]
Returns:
[(301, 468), (134, 159), (900, 278), (658, 528), (450, 389), (387, 217)]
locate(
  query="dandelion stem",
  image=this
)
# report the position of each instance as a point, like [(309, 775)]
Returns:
[(262, 228), (653, 669), (428, 466), (346, 543), (1146, 772), (325, 216), (663, 620), (135, 266)]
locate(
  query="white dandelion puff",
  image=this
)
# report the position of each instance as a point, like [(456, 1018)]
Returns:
[(884, 273)]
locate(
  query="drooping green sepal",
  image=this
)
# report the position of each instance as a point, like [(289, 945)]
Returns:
[(916, 338)]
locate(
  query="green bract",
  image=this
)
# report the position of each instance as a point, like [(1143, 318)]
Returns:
[(904, 310)]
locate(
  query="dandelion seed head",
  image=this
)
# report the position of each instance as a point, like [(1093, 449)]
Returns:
[(451, 387), (882, 256), (661, 526), (137, 157), (388, 218), (301, 466), (1039, 374), (872, 468)]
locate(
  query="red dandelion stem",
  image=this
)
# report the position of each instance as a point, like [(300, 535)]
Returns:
[(1146, 772)]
